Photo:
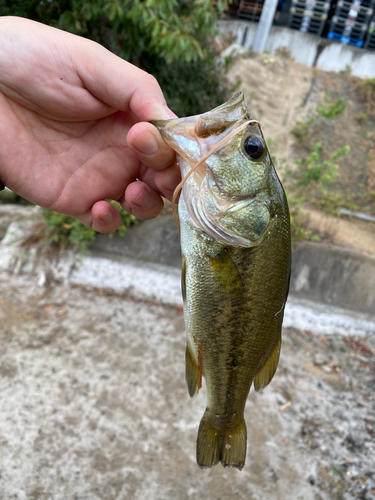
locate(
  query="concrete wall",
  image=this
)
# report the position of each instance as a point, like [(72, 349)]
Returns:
[(334, 275), (306, 49), (324, 273)]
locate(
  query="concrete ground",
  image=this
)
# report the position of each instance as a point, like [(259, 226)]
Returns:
[(94, 406)]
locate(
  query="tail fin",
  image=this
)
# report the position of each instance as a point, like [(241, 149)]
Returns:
[(221, 445)]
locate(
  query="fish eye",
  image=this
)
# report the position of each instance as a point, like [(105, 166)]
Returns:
[(253, 146)]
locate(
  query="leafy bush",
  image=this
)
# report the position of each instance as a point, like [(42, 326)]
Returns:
[(148, 33), (298, 220), (308, 183), (171, 29), (190, 88), (302, 130), (316, 170), (67, 232)]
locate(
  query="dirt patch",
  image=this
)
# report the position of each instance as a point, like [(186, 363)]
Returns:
[(357, 235), (281, 92), (278, 92)]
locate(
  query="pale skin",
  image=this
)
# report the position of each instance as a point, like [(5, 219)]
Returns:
[(74, 128)]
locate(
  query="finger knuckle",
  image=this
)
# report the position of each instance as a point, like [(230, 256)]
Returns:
[(152, 82)]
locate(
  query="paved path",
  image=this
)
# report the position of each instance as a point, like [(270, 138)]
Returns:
[(94, 406)]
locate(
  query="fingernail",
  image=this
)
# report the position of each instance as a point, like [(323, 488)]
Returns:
[(146, 144), (106, 218), (170, 112)]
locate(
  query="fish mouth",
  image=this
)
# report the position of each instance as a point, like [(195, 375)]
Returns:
[(194, 136)]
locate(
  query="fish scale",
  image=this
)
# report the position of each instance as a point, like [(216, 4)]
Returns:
[(234, 293)]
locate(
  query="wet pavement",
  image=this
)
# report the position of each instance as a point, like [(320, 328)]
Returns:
[(94, 406)]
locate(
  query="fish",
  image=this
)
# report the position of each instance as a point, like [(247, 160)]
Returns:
[(236, 260)]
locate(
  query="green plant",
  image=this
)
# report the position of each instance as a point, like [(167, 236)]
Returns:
[(302, 129), (333, 110), (308, 183), (330, 201), (337, 471), (284, 52), (314, 170), (268, 60), (127, 220), (148, 33), (348, 70), (170, 29), (67, 232), (8, 196), (299, 221), (187, 95)]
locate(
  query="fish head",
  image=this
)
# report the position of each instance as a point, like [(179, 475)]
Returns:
[(229, 195)]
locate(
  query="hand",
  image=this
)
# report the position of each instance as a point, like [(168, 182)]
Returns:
[(73, 127)]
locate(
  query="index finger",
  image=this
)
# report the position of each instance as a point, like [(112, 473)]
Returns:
[(122, 85)]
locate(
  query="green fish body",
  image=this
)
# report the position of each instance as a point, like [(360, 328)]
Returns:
[(236, 251)]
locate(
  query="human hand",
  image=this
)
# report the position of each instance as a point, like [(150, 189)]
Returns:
[(73, 127)]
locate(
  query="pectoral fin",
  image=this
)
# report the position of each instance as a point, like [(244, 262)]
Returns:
[(266, 373), (226, 273)]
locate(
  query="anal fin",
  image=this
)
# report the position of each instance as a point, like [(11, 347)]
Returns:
[(266, 373), (193, 377)]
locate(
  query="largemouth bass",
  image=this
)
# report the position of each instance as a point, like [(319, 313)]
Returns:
[(236, 256)]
